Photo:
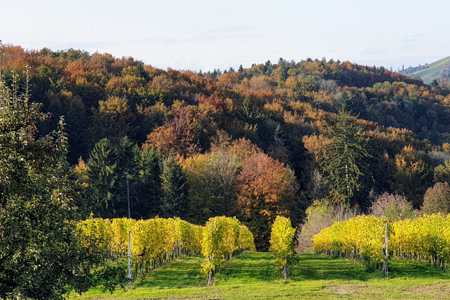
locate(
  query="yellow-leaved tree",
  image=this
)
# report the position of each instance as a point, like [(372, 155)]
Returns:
[(282, 243)]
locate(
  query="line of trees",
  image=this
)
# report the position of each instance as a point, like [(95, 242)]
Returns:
[(157, 186), (155, 241), (222, 238)]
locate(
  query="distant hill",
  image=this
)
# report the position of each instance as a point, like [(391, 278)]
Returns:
[(437, 70)]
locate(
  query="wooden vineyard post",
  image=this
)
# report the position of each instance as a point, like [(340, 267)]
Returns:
[(386, 251)]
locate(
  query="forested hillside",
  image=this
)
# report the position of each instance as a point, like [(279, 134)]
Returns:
[(253, 143)]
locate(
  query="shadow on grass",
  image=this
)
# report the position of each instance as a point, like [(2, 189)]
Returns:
[(181, 273), (251, 267), (314, 267), (416, 270)]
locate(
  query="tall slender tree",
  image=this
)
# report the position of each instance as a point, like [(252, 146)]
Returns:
[(174, 200), (147, 185), (344, 162), (102, 173), (127, 153)]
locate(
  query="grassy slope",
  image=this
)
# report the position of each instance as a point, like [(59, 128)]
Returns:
[(253, 276), (433, 71)]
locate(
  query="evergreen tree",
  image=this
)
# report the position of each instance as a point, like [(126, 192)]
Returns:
[(344, 162), (147, 187), (283, 71), (174, 201), (118, 171), (102, 173), (127, 169)]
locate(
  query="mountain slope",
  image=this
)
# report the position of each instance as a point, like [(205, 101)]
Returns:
[(435, 71)]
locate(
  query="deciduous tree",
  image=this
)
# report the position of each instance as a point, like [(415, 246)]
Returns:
[(40, 257), (266, 188), (437, 199), (412, 174), (392, 206)]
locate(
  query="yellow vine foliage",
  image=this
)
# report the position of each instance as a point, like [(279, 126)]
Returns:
[(246, 239), (221, 239), (425, 238), (358, 237), (154, 241), (282, 240), (119, 239), (159, 240), (95, 235)]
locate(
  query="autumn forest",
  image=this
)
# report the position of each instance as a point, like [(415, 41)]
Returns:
[(254, 142), (271, 153)]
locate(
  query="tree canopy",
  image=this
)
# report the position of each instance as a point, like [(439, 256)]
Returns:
[(256, 142)]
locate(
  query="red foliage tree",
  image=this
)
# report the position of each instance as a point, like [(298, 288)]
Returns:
[(267, 188)]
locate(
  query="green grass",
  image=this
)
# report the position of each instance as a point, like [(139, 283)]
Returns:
[(253, 276), (433, 71)]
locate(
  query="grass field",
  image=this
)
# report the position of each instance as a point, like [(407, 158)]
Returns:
[(253, 276), (433, 71)]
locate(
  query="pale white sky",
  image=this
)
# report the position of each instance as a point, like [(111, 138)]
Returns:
[(207, 34)]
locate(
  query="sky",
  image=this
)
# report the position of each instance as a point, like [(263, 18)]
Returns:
[(209, 34)]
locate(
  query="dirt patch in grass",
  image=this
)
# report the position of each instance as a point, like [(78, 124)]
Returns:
[(345, 289), (437, 288)]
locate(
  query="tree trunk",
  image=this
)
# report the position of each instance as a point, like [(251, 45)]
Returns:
[(346, 180), (386, 251), (210, 278), (285, 272)]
